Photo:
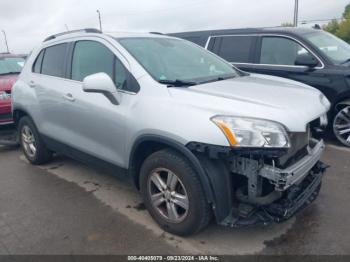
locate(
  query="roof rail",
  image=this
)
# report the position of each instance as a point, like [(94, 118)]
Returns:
[(86, 30), (156, 33)]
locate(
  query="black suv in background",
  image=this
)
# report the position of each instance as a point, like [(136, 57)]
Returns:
[(311, 56)]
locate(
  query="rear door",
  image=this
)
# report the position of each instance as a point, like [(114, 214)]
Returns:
[(236, 49), (48, 81)]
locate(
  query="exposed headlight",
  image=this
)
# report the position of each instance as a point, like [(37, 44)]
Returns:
[(250, 132), (4, 95)]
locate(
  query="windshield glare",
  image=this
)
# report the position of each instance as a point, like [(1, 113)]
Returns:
[(9, 65), (168, 59), (337, 50)]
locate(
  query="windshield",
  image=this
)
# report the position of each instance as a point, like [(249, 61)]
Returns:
[(333, 47), (11, 65), (167, 59)]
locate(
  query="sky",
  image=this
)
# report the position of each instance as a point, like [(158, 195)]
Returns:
[(28, 22)]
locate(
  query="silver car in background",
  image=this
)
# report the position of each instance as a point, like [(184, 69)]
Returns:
[(197, 136)]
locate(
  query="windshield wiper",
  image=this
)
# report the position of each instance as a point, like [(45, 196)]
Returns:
[(219, 78), (177, 83)]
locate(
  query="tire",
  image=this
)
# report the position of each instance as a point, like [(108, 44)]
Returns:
[(341, 126), (32, 144), (185, 183)]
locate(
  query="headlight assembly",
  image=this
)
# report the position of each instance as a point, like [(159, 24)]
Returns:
[(250, 132)]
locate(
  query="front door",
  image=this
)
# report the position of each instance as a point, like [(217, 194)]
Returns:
[(97, 126), (276, 55)]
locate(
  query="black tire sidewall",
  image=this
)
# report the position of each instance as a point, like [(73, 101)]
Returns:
[(42, 154), (197, 202)]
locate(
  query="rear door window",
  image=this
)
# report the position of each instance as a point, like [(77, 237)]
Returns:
[(38, 62), (54, 60), (234, 48)]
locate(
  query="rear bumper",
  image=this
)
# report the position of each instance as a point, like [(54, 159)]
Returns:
[(5, 112)]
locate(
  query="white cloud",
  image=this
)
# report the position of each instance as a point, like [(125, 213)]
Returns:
[(28, 22)]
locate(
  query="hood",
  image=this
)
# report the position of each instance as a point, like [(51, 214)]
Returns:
[(290, 103), (7, 81)]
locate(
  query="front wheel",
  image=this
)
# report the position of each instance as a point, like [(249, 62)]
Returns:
[(173, 194), (341, 126)]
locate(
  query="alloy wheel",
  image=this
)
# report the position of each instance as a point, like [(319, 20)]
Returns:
[(28, 141), (341, 126), (168, 195)]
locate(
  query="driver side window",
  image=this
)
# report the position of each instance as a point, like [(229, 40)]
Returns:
[(280, 51), (91, 57)]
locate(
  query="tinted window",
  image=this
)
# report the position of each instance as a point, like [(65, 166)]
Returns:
[(91, 57), (38, 61), (53, 62), (280, 51), (120, 75), (234, 48)]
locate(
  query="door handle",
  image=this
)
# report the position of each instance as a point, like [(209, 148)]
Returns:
[(69, 97), (32, 84)]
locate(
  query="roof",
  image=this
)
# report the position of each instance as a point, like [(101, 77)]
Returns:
[(135, 34), (83, 32), (286, 30)]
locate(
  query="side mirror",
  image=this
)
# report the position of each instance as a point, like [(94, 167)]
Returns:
[(103, 84), (306, 60)]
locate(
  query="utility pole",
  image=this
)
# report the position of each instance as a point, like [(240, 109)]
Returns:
[(7, 46), (296, 11), (99, 19)]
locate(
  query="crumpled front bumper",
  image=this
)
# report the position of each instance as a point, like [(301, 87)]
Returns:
[(295, 187), (285, 178), (295, 199)]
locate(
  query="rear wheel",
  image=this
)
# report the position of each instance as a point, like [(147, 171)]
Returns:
[(33, 146), (341, 126), (173, 194)]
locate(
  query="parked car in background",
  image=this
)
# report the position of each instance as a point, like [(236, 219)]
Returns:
[(10, 67), (311, 56), (197, 136)]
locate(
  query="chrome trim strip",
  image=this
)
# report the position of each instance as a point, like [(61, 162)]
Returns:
[(277, 35)]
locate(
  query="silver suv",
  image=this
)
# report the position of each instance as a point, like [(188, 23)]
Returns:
[(197, 136)]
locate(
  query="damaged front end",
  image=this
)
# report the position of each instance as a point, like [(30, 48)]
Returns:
[(269, 186)]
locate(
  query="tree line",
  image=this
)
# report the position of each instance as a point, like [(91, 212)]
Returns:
[(342, 28)]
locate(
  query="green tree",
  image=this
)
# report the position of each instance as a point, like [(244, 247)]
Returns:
[(332, 27), (346, 11), (341, 29)]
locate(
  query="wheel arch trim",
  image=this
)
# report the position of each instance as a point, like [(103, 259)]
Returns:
[(170, 143)]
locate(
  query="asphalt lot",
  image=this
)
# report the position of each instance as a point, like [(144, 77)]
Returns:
[(69, 208)]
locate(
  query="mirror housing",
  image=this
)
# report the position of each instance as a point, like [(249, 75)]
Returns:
[(103, 84), (306, 60)]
